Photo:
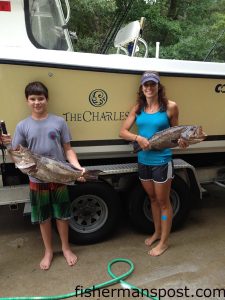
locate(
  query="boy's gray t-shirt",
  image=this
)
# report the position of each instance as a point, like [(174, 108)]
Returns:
[(44, 137)]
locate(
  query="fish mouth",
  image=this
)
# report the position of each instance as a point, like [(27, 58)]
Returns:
[(198, 136), (196, 139), (24, 166)]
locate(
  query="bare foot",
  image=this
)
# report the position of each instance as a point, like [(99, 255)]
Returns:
[(46, 260), (70, 257), (158, 250), (149, 241)]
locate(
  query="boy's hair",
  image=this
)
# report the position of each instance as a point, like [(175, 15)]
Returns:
[(36, 88)]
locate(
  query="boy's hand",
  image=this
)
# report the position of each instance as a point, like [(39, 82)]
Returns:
[(5, 139), (81, 178)]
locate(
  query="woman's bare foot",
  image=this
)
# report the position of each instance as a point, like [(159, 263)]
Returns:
[(70, 257), (149, 241), (46, 260), (158, 250)]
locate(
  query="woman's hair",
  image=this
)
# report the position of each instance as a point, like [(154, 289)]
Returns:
[(36, 88), (162, 98)]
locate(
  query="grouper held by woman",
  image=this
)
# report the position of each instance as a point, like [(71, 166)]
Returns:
[(168, 138)]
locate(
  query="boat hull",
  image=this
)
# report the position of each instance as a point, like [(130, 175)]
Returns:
[(95, 101)]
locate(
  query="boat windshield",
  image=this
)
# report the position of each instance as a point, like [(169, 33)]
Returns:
[(45, 20)]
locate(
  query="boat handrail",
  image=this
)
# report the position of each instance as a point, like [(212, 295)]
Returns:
[(68, 12)]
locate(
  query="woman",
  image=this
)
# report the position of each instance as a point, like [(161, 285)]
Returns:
[(152, 113)]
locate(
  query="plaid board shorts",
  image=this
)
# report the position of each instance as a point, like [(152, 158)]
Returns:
[(158, 174), (49, 201)]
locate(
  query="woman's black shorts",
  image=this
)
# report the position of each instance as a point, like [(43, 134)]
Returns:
[(156, 173)]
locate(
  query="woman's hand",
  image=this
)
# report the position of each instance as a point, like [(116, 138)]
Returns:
[(182, 143), (143, 142)]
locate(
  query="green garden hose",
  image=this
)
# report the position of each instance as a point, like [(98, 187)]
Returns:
[(115, 279)]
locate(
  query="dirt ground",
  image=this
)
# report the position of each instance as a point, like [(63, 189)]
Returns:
[(193, 266)]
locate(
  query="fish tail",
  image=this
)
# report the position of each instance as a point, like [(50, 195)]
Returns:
[(136, 147), (92, 174)]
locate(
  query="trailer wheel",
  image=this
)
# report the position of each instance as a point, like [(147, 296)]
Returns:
[(95, 212), (140, 209)]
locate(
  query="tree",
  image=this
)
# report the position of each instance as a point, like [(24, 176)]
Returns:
[(90, 22), (186, 29)]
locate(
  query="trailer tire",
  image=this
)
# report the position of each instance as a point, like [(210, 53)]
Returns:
[(95, 212), (140, 211)]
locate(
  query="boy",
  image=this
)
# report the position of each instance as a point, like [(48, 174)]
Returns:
[(47, 134)]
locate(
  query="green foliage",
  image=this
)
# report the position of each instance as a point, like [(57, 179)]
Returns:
[(90, 19), (186, 29)]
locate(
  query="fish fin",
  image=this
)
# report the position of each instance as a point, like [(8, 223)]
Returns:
[(22, 166), (70, 183), (136, 147), (92, 174), (175, 141)]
